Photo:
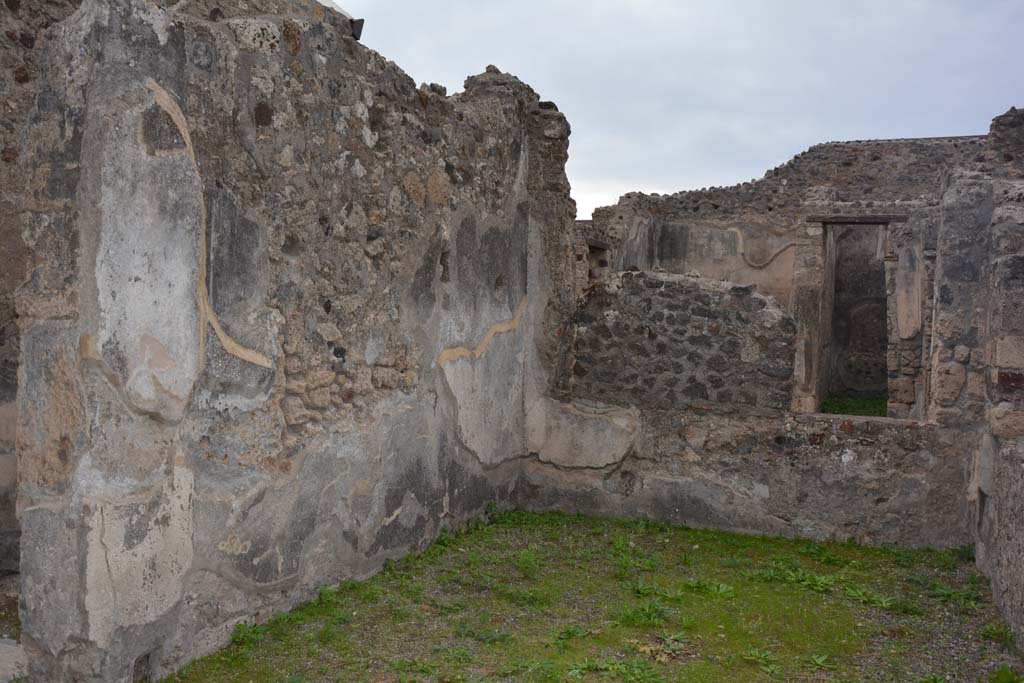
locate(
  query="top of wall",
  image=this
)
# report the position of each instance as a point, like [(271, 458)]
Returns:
[(862, 174)]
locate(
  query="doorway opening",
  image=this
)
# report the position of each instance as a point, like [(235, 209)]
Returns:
[(598, 266), (856, 358)]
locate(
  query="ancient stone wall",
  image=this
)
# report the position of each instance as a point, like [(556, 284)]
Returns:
[(757, 233), (22, 24), (676, 409), (669, 341), (284, 315), (873, 480), (741, 233), (998, 487), (953, 277), (910, 254)]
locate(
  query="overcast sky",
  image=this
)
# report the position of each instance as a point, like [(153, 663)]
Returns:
[(668, 95)]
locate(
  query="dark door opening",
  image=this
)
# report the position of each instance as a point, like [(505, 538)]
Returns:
[(857, 371), (598, 267)]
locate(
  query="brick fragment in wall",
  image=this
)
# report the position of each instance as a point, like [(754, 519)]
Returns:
[(1010, 352), (294, 411), (901, 390), (319, 398), (949, 382), (319, 378)]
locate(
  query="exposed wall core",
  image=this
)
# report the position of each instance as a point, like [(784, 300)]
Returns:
[(22, 29)]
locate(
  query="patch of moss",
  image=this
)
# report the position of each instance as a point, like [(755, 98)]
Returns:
[(10, 624), (876, 406)]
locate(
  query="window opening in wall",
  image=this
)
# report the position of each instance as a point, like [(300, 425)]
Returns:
[(599, 266), (857, 371)]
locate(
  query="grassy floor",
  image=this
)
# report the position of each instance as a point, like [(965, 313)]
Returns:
[(554, 597), (877, 406), (10, 626)]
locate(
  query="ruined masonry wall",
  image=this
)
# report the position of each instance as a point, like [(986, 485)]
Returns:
[(872, 480), (998, 491), (285, 313), (756, 234), (753, 233), (669, 341), (22, 24), (677, 410), (955, 280)]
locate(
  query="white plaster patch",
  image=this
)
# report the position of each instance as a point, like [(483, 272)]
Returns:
[(487, 381), (373, 350), (393, 516), (581, 435), (1010, 352), (130, 584), (147, 268)]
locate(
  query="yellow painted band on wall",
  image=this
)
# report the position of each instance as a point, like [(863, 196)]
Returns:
[(459, 352), (206, 312)]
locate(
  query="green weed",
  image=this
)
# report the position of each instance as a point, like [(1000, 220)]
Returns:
[(528, 564), (568, 634), (964, 599), (628, 671), (866, 596), (1005, 674), (820, 663), (648, 614), (785, 573), (246, 635), (998, 633), (413, 666), (711, 587), (764, 660), (486, 636), (823, 555), (525, 597)]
